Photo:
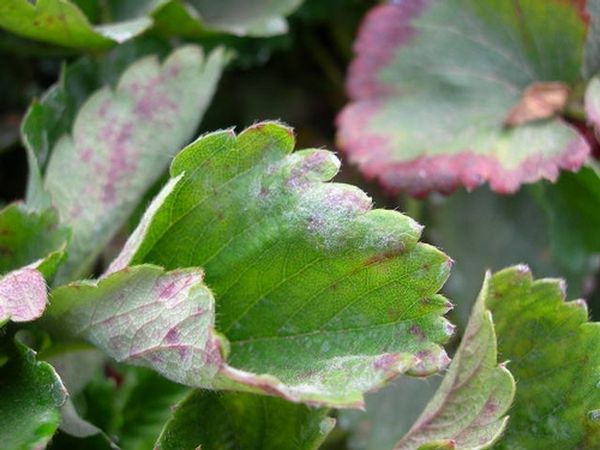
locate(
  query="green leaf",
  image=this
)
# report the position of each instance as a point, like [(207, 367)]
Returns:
[(144, 415), (121, 141), (457, 92), (553, 356), (469, 409), (573, 208), (298, 266), (253, 18), (63, 23), (236, 421), (346, 289), (31, 395), (28, 237), (201, 17), (31, 248)]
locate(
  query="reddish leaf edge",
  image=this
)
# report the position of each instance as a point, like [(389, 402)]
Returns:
[(444, 173), (426, 174)]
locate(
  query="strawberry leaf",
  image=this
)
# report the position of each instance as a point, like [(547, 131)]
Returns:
[(469, 409), (120, 143), (62, 22), (457, 92), (31, 238), (213, 420), (333, 273), (31, 248), (355, 303), (31, 395), (552, 352), (201, 17)]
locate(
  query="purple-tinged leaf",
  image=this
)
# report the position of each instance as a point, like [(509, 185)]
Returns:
[(435, 83), (122, 140), (23, 295), (469, 409)]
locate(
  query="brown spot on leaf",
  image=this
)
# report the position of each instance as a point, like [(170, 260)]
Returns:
[(539, 101), (382, 257)]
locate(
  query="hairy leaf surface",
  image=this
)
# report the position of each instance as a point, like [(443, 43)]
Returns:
[(299, 267), (120, 143), (240, 421), (469, 409), (457, 92), (62, 22)]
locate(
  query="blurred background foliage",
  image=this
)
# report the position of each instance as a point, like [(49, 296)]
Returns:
[(299, 77)]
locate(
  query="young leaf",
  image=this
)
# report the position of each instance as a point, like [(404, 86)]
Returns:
[(553, 356), (121, 142), (31, 395), (298, 266), (446, 93), (468, 410), (62, 22), (236, 421)]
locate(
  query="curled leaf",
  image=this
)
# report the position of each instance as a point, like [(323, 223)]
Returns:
[(469, 409)]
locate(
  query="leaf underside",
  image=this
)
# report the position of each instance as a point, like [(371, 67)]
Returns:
[(434, 84), (121, 141), (469, 409), (297, 266)]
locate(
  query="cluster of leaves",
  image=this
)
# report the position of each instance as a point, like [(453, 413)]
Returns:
[(244, 299)]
